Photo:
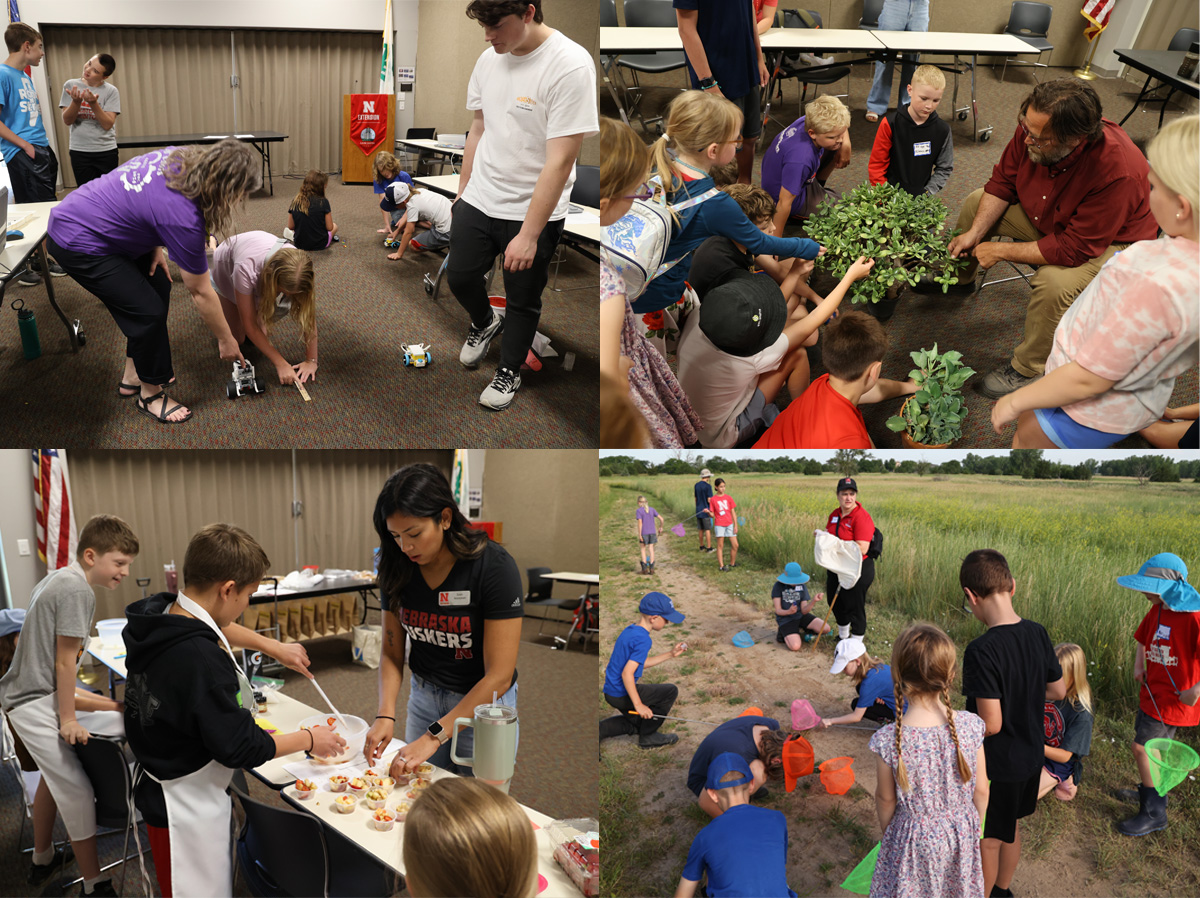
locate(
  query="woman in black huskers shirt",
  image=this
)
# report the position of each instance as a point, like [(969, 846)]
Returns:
[(457, 597)]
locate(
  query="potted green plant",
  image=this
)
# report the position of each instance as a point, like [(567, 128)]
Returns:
[(932, 417), (905, 235)]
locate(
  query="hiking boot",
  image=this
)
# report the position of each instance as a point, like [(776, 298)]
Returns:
[(478, 340), (656, 740), (1003, 381), (40, 873), (643, 567), (29, 278), (499, 393), (1151, 817)]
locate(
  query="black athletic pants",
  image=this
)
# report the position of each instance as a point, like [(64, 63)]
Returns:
[(658, 697), (33, 180), (90, 166), (851, 604), (475, 241)]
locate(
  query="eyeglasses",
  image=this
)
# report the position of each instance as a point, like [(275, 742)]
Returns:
[(643, 192), (1035, 142)]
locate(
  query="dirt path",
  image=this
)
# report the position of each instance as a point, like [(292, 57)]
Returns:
[(829, 834)]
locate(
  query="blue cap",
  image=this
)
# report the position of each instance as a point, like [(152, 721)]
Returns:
[(11, 620), (728, 762), (660, 603), (1165, 575), (792, 574)]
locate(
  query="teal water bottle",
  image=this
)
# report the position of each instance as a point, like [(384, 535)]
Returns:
[(29, 333)]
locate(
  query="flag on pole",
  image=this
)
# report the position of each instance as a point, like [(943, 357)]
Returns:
[(14, 15), (386, 65), (460, 481), (1097, 13), (56, 539)]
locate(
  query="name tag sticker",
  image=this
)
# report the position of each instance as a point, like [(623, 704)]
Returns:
[(455, 597), (924, 148), (526, 103), (834, 519)]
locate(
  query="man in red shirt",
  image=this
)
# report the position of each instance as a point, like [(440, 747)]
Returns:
[(850, 521), (1071, 190)]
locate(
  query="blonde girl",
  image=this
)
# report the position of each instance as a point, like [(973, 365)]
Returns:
[(931, 777), (1132, 331), (702, 131), (875, 698), (651, 385), (309, 217), (387, 171), (1068, 726), (263, 279), (463, 837)]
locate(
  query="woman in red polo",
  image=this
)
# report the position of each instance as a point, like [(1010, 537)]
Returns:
[(850, 521)]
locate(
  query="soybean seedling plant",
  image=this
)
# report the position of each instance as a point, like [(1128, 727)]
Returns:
[(935, 413), (904, 234)]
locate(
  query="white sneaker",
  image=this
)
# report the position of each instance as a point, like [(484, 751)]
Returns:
[(810, 59), (499, 393), (478, 340)]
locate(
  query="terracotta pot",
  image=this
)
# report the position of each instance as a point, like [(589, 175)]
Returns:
[(909, 443)]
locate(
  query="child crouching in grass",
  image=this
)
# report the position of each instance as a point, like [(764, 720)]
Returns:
[(872, 679), (1068, 726)]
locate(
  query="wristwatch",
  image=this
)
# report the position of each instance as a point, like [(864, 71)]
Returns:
[(706, 83), (438, 732)]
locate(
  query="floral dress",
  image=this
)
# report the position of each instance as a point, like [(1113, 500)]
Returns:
[(652, 385), (931, 847)]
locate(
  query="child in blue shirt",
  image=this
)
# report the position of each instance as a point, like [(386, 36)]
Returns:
[(648, 527), (387, 172), (630, 657), (744, 848), (872, 681)]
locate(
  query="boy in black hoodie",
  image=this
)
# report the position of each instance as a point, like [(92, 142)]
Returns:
[(188, 711)]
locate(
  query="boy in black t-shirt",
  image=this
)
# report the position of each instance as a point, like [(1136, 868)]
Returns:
[(792, 608), (1008, 674)]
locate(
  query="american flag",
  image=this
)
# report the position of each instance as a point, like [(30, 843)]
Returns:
[(56, 538), (1097, 13), (14, 15)]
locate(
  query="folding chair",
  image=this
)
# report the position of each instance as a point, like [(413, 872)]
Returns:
[(1031, 23), (789, 66), (26, 782), (870, 15), (104, 762), (422, 155), (641, 14), (540, 594), (1017, 275)]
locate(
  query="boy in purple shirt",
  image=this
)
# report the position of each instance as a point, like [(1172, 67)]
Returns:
[(647, 533), (800, 160)]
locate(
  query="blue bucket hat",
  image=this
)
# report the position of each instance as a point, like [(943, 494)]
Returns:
[(1165, 575), (11, 620), (728, 762), (792, 574), (660, 603), (742, 639)]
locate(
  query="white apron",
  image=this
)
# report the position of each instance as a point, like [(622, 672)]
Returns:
[(199, 809)]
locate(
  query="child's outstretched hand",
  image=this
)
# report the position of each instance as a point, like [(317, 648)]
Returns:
[(683, 647), (861, 268)]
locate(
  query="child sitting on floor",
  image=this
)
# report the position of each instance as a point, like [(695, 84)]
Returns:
[(310, 220), (793, 608)]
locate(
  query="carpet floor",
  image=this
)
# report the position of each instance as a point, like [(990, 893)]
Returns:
[(363, 396), (986, 326)]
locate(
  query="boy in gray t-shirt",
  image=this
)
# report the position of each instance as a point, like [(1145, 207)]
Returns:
[(90, 107), (38, 692)]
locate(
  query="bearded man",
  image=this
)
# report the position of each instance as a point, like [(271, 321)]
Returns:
[(1071, 190)]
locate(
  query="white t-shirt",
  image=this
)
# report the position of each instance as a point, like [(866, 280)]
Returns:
[(431, 207), (1136, 323), (719, 385), (527, 100)]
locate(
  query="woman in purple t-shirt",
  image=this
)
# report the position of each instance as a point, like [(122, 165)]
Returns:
[(117, 228)]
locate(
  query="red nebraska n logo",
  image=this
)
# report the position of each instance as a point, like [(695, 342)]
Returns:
[(443, 598)]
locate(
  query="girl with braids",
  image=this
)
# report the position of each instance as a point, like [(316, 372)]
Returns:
[(456, 597), (932, 785), (118, 227), (263, 279), (309, 217)]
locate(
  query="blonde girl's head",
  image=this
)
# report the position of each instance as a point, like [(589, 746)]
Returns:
[(859, 667), (624, 164), (463, 837), (1174, 156), (386, 167), (699, 126), (1074, 668), (289, 271), (217, 177), (924, 664), (314, 185)]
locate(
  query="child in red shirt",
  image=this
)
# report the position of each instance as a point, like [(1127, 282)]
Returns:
[(1167, 668), (724, 525)]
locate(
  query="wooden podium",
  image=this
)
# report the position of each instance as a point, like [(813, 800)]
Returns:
[(357, 167)]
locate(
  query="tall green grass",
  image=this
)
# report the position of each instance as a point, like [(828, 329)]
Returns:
[(1066, 544)]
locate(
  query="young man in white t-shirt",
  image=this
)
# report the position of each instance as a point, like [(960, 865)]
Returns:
[(533, 94)]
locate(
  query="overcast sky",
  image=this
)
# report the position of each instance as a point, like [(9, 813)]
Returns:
[(937, 456)]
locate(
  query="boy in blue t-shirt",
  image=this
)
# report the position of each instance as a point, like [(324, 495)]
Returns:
[(630, 657), (793, 607), (648, 528), (703, 491), (744, 849)]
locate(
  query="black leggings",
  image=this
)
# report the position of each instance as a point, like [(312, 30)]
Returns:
[(851, 604), (475, 241), (138, 303)]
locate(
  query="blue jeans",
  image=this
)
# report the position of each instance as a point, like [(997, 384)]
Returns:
[(897, 15), (427, 703)]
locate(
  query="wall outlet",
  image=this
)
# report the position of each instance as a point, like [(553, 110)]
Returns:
[(22, 547)]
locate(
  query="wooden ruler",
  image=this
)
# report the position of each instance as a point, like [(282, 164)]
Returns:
[(303, 392)]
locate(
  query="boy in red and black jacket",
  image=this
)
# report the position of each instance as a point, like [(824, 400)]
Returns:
[(913, 147)]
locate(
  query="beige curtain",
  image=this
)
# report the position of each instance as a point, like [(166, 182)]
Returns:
[(177, 81), (166, 496), (1164, 18)]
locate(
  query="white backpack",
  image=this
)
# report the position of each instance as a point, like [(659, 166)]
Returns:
[(637, 244)]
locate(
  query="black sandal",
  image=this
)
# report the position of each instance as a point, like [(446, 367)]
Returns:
[(136, 389), (143, 407)]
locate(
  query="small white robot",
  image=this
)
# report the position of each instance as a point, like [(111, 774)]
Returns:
[(244, 381), (417, 355)]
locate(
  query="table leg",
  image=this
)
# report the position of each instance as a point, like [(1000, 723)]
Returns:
[(74, 329), (1142, 93), (611, 61), (981, 134)]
